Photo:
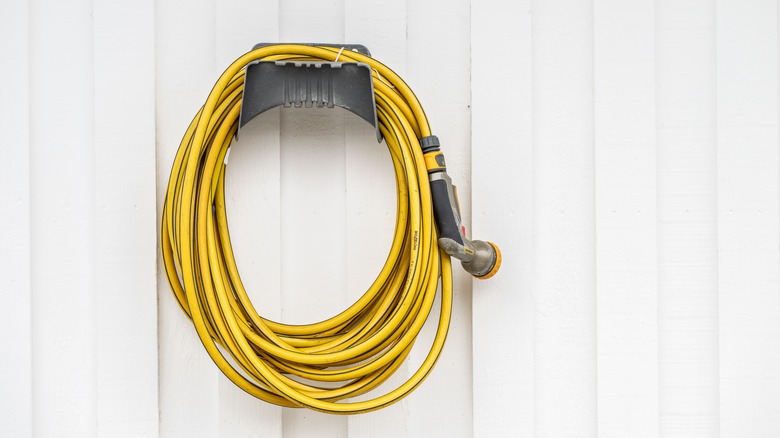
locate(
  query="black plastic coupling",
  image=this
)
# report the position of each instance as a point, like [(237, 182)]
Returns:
[(430, 144)]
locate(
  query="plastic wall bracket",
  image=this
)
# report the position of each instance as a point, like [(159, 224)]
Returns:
[(321, 84)]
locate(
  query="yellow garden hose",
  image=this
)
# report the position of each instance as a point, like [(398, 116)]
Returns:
[(316, 365)]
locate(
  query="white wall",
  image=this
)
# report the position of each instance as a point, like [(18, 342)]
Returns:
[(623, 154)]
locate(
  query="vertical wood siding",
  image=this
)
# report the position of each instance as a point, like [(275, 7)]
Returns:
[(370, 192), (563, 219), (62, 218), (503, 209), (15, 260), (125, 307), (747, 188), (254, 211), (189, 396), (626, 212), (687, 153), (623, 154)]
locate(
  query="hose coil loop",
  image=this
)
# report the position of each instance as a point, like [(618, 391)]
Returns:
[(318, 365)]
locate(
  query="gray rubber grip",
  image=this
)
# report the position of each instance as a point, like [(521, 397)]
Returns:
[(442, 211)]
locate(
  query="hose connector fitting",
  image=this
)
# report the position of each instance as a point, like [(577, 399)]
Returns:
[(480, 259)]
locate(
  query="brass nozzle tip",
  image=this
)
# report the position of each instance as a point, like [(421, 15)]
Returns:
[(496, 265)]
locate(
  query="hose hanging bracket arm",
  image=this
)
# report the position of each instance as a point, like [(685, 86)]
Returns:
[(296, 84)]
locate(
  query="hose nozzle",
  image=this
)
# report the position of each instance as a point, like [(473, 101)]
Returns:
[(480, 259), (486, 260)]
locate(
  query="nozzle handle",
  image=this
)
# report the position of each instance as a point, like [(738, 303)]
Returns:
[(446, 214)]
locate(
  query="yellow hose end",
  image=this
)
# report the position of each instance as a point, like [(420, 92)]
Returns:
[(496, 266)]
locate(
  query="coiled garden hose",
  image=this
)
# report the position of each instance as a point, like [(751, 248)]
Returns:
[(317, 365)]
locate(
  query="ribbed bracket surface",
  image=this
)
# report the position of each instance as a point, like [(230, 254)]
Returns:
[(268, 84)]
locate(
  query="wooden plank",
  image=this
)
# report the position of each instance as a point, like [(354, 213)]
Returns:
[(626, 250), (185, 72), (313, 204), (564, 220), (62, 213), (687, 219), (502, 199), (371, 194), (253, 202), (313, 235), (748, 258), (437, 69), (15, 328), (125, 275)]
